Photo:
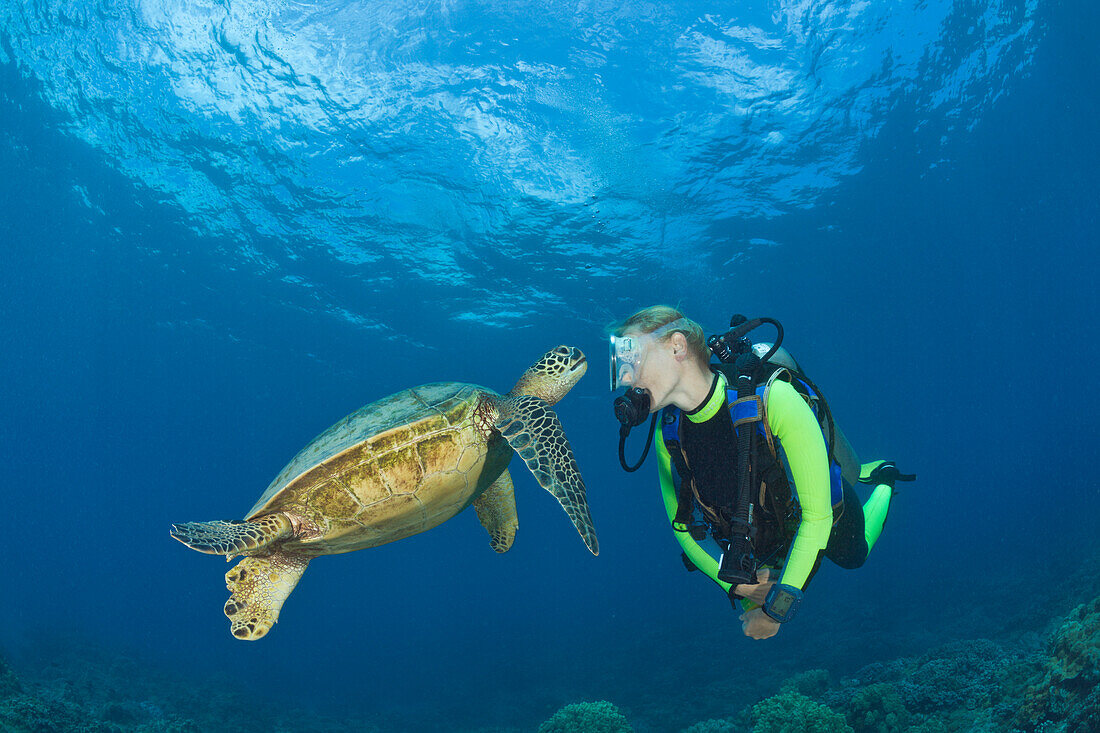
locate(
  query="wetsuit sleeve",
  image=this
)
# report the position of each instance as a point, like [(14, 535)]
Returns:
[(694, 551), (793, 422)]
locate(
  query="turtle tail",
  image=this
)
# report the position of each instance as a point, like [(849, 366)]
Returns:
[(235, 536)]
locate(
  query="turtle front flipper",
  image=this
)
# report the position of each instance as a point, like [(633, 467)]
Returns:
[(235, 536), (496, 508), (259, 586), (533, 430)]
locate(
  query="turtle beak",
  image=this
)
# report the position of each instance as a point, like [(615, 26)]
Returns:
[(579, 361)]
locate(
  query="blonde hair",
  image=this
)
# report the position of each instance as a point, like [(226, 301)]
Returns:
[(648, 320)]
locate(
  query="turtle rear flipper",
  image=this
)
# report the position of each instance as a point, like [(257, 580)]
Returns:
[(233, 537), (496, 508), (259, 586), (533, 430)]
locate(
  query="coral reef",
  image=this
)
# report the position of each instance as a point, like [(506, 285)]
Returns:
[(9, 683), (1065, 694), (878, 709), (811, 683), (975, 686), (28, 713), (89, 691), (793, 712), (1015, 685), (712, 726), (960, 685), (587, 717), (961, 675)]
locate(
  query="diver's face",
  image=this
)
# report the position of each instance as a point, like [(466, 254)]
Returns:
[(656, 372)]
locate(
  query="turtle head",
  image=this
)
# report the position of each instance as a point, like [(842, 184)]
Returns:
[(553, 375)]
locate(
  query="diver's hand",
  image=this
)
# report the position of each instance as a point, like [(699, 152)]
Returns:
[(758, 625), (758, 593)]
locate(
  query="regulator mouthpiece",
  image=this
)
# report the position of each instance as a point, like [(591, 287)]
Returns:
[(632, 408)]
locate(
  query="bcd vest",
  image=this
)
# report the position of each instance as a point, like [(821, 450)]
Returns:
[(775, 509)]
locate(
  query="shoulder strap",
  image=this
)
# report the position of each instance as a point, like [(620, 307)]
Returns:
[(780, 373), (685, 495), (670, 424)]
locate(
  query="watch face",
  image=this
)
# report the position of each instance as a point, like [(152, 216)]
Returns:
[(782, 603)]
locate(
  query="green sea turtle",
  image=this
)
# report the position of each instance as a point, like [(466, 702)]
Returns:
[(392, 469)]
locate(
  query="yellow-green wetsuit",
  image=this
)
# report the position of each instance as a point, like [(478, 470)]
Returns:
[(803, 449)]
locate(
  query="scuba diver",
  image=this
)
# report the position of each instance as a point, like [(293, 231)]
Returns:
[(747, 454)]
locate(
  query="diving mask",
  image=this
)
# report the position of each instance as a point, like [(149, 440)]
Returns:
[(627, 352)]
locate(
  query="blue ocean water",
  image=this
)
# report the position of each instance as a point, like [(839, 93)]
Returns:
[(225, 225)]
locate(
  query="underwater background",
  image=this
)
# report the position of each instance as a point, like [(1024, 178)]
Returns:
[(225, 224)]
